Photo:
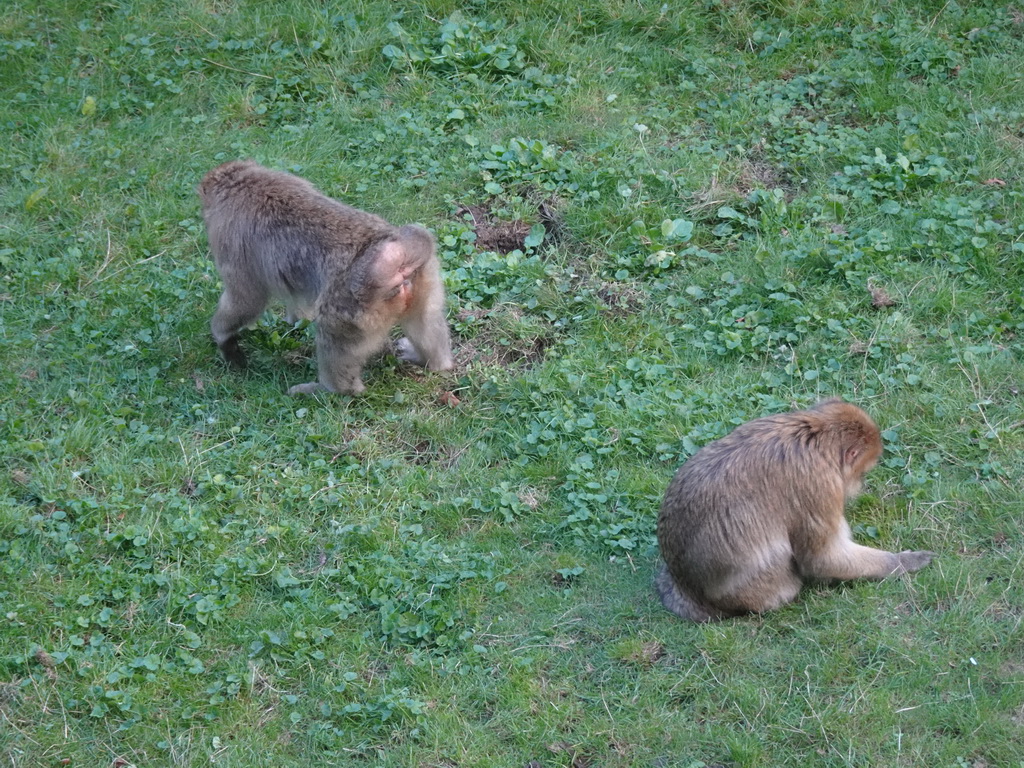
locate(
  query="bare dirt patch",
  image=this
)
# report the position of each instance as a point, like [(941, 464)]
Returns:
[(505, 336), (495, 234)]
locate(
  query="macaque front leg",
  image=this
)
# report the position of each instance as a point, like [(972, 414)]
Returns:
[(427, 342), (340, 359), (235, 310), (844, 560)]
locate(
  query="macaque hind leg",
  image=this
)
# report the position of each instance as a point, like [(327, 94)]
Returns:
[(764, 584), (765, 593), (235, 310)]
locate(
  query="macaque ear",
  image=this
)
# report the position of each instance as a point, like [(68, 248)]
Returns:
[(861, 445), (388, 270), (851, 454)]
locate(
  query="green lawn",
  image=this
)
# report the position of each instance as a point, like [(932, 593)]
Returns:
[(656, 222)]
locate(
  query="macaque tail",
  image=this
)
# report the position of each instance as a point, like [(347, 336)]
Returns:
[(677, 601)]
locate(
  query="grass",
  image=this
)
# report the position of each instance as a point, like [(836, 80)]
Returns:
[(196, 568)]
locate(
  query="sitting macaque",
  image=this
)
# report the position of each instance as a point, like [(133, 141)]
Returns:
[(752, 516), (273, 235)]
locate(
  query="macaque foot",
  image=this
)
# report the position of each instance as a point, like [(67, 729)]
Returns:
[(306, 389), (404, 350), (914, 561), (233, 354), (311, 387)]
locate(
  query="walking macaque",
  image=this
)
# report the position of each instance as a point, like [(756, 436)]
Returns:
[(273, 234), (752, 516)]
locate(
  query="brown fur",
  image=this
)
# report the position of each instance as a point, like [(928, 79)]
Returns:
[(274, 235), (752, 516)]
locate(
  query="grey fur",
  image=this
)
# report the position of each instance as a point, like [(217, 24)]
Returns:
[(274, 235)]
